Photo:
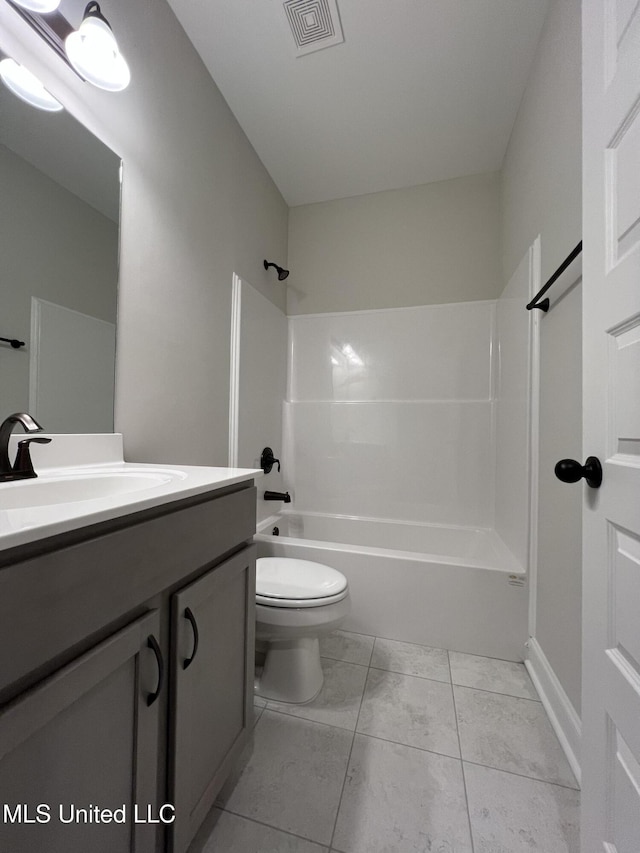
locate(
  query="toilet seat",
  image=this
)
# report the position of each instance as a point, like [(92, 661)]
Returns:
[(289, 582)]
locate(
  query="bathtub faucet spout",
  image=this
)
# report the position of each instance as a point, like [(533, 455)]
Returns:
[(278, 496)]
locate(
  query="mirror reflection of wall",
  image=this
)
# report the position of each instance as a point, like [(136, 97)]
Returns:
[(59, 215)]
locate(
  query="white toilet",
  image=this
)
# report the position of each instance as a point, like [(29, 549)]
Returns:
[(297, 601)]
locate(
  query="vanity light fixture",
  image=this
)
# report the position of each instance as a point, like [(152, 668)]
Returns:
[(39, 6), (26, 86), (282, 273), (94, 53)]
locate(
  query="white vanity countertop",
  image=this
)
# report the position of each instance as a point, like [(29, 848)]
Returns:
[(76, 488)]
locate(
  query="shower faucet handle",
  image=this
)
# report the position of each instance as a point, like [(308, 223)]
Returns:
[(268, 460)]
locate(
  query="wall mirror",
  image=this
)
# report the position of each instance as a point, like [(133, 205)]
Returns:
[(59, 233)]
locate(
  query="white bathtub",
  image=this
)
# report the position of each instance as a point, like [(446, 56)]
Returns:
[(451, 587)]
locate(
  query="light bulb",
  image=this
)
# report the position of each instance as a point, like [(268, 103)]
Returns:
[(93, 51), (26, 86)]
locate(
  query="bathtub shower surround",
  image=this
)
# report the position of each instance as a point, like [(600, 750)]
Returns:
[(516, 409), (390, 413), (257, 384), (391, 428)]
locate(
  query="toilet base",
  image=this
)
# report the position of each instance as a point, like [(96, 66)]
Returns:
[(292, 671)]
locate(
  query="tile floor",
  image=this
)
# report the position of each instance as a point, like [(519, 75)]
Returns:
[(406, 748)]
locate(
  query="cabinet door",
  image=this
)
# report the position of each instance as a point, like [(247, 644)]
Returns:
[(84, 739), (213, 624)]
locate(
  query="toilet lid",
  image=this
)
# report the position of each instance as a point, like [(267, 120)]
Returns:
[(288, 582)]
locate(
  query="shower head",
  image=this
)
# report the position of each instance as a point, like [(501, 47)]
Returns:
[(282, 273)]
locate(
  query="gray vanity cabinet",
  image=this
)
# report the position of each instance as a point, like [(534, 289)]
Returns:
[(78, 670), (212, 687), (84, 737)]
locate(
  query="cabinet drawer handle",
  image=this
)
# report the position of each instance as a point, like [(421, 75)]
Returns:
[(188, 614), (152, 643)]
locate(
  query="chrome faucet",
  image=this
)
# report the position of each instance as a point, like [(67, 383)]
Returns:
[(22, 467)]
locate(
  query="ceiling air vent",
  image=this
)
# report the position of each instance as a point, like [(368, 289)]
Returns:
[(315, 24)]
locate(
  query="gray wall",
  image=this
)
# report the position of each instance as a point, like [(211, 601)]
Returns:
[(197, 205), (424, 245), (541, 194)]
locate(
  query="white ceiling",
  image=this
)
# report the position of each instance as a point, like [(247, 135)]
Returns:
[(420, 91)]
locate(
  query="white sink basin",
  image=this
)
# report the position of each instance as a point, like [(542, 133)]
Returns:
[(85, 486), (83, 480)]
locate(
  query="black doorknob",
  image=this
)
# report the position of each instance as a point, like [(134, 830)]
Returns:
[(570, 471)]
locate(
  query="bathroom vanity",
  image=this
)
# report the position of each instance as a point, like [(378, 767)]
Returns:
[(126, 675)]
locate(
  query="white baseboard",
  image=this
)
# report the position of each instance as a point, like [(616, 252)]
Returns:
[(563, 716)]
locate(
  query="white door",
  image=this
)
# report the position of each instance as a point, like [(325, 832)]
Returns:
[(611, 379)]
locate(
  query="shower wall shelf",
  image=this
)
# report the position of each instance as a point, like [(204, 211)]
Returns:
[(543, 304)]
